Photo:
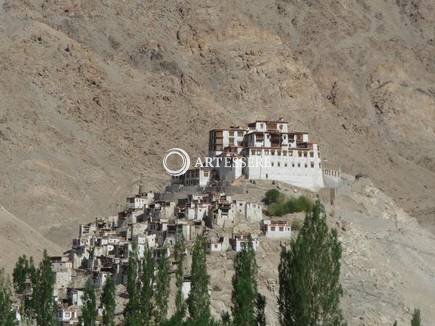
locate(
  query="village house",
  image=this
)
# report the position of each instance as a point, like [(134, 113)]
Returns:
[(198, 177), (247, 211), (218, 244), (63, 270), (276, 229), (75, 297), (140, 200), (242, 240), (68, 315)]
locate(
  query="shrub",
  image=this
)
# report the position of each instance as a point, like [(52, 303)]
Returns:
[(272, 196), (278, 205)]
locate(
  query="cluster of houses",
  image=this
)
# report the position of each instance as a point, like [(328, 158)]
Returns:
[(102, 247)]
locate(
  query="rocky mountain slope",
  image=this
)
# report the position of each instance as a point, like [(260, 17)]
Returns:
[(388, 268), (18, 238), (92, 93)]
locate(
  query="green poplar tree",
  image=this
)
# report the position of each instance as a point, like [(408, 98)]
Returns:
[(108, 302), (7, 316), (245, 294), (199, 298), (133, 311), (29, 309), (179, 250), (162, 289), (416, 318), (146, 295), (20, 274), (180, 306), (309, 272), (89, 310), (42, 297)]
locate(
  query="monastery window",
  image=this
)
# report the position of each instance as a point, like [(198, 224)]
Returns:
[(281, 228), (312, 164), (306, 165), (293, 165), (272, 228), (305, 154), (311, 154), (285, 164), (280, 127), (284, 153), (279, 164), (272, 163), (299, 165)]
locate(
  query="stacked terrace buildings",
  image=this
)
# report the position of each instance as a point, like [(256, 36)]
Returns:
[(103, 247)]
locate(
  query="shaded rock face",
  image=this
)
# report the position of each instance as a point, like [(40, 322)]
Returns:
[(93, 93)]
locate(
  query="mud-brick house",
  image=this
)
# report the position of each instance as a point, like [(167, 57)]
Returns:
[(276, 229)]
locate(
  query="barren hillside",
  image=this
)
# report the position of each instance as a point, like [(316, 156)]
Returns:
[(93, 92), (388, 268), (18, 238)]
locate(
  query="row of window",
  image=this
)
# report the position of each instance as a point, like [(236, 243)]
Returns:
[(278, 164), (192, 182), (283, 153), (273, 228), (192, 174)]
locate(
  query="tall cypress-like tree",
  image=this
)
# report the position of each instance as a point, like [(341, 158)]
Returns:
[(309, 285), (42, 297), (244, 294), (24, 270), (89, 310), (133, 311), (179, 250), (199, 298), (7, 316), (162, 290), (20, 274), (416, 318), (146, 295), (180, 306), (108, 302), (32, 274)]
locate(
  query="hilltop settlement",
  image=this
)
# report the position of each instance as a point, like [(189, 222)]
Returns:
[(194, 204)]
